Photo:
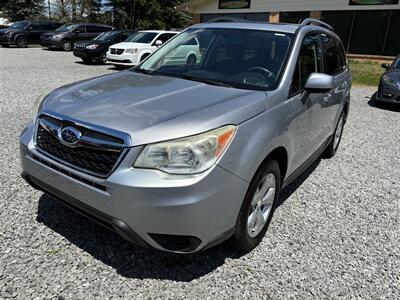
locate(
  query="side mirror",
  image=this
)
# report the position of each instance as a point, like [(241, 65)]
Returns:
[(317, 83), (158, 43), (385, 66), (30, 28), (76, 31)]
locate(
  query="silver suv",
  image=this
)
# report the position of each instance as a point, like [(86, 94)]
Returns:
[(180, 154)]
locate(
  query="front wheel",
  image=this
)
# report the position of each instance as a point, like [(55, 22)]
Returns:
[(258, 207), (103, 58), (5, 46), (333, 145), (66, 45), (21, 42)]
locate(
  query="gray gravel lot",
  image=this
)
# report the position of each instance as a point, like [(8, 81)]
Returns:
[(336, 233)]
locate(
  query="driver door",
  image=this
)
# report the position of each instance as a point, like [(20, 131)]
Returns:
[(303, 130)]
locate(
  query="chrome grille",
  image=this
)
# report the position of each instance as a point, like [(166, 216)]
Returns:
[(95, 153), (116, 51)]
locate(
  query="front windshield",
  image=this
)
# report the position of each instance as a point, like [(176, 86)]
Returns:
[(142, 37), (19, 25), (66, 28), (105, 36), (240, 58)]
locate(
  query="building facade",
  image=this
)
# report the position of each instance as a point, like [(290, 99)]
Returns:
[(367, 27)]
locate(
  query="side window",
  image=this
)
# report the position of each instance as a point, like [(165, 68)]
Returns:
[(47, 26), (309, 61), (165, 37), (331, 55), (35, 26), (92, 29), (81, 29), (124, 36)]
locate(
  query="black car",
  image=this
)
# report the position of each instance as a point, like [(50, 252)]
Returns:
[(389, 85), (65, 36), (22, 33), (96, 49)]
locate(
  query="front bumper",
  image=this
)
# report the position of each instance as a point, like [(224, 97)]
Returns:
[(171, 213), (86, 54), (388, 93), (6, 40), (122, 59), (50, 43)]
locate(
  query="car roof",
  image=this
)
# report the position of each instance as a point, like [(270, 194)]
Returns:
[(281, 27), (159, 31)]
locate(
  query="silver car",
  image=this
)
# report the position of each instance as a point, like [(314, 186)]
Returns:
[(182, 156)]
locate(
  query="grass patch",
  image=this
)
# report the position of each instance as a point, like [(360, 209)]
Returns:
[(366, 72)]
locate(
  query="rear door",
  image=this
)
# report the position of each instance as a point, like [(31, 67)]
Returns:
[(303, 130), (335, 65), (34, 32)]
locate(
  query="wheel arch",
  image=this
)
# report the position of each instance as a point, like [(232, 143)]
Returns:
[(144, 55), (279, 154)]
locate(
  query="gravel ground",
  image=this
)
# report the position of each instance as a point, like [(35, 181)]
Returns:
[(336, 233)]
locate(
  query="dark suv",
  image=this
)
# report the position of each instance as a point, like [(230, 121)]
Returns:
[(23, 33), (96, 49), (65, 36)]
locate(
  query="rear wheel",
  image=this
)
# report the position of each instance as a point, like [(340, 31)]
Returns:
[(21, 42), (66, 45), (191, 60), (332, 147), (258, 207)]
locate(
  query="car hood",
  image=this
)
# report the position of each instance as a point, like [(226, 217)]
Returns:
[(9, 30), (394, 74), (152, 108), (125, 45)]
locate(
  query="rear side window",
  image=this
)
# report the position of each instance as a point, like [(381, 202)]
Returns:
[(334, 55), (35, 26), (91, 29), (309, 61), (47, 26)]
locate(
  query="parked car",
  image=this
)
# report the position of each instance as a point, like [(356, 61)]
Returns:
[(96, 49), (65, 36), (23, 33), (138, 47), (181, 157), (389, 85)]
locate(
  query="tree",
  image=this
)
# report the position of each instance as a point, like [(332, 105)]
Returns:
[(16, 10)]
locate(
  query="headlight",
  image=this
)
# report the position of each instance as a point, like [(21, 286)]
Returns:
[(57, 36), (92, 46), (37, 105), (9, 34), (190, 155), (387, 79), (131, 51)]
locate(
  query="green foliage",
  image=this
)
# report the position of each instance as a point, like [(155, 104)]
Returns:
[(366, 72), (16, 10)]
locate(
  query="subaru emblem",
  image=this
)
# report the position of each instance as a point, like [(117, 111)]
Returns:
[(69, 136)]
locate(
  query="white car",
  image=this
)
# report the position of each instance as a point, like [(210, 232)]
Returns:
[(137, 47)]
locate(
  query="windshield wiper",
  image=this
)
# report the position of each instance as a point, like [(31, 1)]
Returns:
[(207, 81)]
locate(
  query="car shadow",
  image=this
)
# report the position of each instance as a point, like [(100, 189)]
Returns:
[(382, 105), (134, 262)]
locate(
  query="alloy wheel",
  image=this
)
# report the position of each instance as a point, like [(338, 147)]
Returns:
[(261, 205)]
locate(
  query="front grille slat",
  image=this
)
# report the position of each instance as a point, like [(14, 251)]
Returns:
[(116, 51), (97, 161)]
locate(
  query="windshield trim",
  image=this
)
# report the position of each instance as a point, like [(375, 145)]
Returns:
[(274, 86)]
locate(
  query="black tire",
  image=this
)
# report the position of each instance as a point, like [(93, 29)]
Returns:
[(5, 46), (21, 42), (333, 145), (103, 58), (241, 239), (191, 60), (66, 45)]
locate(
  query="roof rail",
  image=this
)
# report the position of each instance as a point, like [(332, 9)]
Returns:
[(226, 19), (311, 21)]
